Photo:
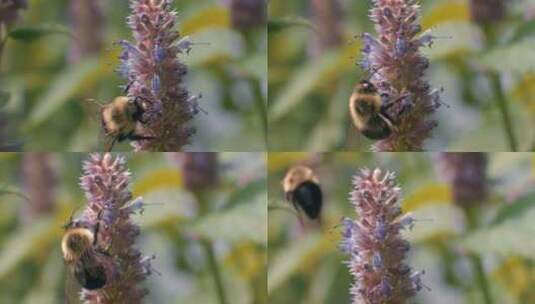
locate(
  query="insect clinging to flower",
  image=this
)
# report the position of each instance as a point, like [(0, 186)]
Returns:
[(119, 120), (302, 188), (91, 265), (369, 111)]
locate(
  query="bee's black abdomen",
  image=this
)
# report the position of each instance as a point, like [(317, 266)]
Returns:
[(308, 197), (377, 128), (91, 278), (376, 133)]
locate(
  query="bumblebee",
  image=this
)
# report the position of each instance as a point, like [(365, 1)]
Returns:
[(368, 111), (91, 266), (301, 188), (119, 120)]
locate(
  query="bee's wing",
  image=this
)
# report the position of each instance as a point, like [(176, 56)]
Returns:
[(72, 288)]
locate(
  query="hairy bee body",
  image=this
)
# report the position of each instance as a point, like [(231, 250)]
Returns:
[(87, 263), (368, 113), (119, 120), (302, 189)]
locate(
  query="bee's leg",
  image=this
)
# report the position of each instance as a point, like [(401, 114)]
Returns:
[(128, 86), (299, 216), (405, 108), (110, 146), (133, 136), (97, 228), (406, 105), (386, 118)]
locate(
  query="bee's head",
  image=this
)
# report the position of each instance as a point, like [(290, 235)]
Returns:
[(366, 87), (295, 177), (136, 108)]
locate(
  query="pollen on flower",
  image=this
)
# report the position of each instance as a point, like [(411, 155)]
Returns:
[(374, 244), (397, 69), (110, 204), (155, 75)]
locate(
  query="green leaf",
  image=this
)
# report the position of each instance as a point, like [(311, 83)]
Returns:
[(247, 193), (44, 291), (323, 280), (331, 129), (23, 242), (278, 24), (63, 87), (289, 260), (305, 80), (524, 30), (443, 12), (167, 205), (510, 237), (514, 210), (254, 65), (243, 222), (515, 57), (277, 205), (28, 34), (453, 38), (4, 98), (11, 190), (222, 45), (435, 220)]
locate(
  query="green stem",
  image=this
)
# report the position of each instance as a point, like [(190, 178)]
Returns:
[(477, 264), (3, 41), (504, 110), (491, 36), (203, 200), (481, 278), (260, 104), (214, 267)]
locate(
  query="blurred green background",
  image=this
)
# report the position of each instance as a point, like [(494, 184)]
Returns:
[(48, 85), (305, 265), (38, 193), (312, 71)]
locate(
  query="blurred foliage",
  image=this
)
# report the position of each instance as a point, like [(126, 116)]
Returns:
[(173, 227), (48, 107), (309, 91), (305, 265)]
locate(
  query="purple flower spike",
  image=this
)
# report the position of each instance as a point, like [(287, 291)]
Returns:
[(9, 11), (155, 76), (487, 11), (374, 244), (467, 175), (397, 68), (105, 182)]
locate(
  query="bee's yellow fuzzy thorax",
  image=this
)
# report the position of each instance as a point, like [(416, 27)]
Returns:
[(75, 242), (296, 176)]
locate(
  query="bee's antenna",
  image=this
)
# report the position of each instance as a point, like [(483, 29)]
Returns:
[(65, 226), (127, 87), (95, 101)]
